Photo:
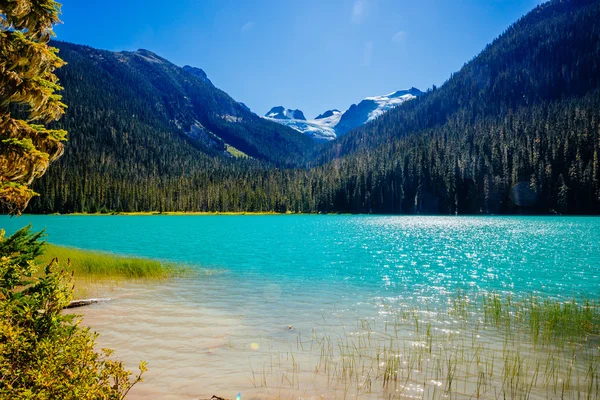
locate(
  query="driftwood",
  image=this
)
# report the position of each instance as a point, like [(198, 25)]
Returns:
[(215, 398), (85, 302)]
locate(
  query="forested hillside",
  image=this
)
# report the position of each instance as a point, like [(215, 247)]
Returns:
[(517, 129), (550, 54), (136, 122)]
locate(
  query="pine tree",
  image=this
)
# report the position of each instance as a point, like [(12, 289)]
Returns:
[(28, 97)]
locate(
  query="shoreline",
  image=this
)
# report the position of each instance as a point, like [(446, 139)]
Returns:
[(170, 213), (266, 213)]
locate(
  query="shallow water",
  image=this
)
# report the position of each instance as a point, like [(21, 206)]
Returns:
[(321, 275)]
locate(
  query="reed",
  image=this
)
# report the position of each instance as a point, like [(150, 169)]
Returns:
[(486, 346)]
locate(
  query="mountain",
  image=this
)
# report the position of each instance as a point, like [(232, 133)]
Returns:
[(516, 130), (142, 87), (138, 125), (328, 114), (245, 106), (333, 124), (520, 68), (281, 113), (319, 130), (329, 119), (373, 107), (197, 72)]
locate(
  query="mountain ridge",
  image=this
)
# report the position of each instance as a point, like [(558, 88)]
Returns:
[(280, 112), (183, 99), (489, 82), (197, 72)]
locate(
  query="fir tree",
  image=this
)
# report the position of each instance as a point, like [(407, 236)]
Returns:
[(28, 97)]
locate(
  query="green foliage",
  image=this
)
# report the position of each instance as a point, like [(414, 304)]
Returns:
[(96, 264), (45, 354), (28, 93)]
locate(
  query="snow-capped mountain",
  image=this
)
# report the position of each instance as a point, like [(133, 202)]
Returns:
[(373, 107), (329, 118), (318, 129), (281, 113), (333, 123)]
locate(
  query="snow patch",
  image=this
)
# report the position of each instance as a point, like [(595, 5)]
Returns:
[(386, 103), (312, 128)]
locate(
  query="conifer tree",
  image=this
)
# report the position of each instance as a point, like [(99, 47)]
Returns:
[(28, 97), (44, 353)]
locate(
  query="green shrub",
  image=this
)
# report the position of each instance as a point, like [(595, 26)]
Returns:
[(44, 353)]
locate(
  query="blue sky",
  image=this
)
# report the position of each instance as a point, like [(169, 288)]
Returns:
[(313, 55)]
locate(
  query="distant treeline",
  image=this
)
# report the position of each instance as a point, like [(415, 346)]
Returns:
[(540, 159)]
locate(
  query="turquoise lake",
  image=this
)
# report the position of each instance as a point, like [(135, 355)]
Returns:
[(384, 255), (211, 334)]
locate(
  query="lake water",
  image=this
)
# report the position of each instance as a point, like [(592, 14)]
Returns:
[(319, 275)]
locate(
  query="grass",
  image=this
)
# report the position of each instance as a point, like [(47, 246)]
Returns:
[(236, 153), (107, 265), (97, 273), (486, 346)]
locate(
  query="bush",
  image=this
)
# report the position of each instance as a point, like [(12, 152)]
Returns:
[(44, 353)]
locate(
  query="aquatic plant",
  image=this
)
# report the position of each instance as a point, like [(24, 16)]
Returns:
[(478, 346)]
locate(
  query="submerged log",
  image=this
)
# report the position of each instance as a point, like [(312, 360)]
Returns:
[(85, 302)]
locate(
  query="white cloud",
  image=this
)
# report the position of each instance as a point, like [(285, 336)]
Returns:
[(358, 11), (399, 37), (248, 26), (367, 54)]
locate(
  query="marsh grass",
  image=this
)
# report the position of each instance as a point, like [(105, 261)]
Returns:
[(98, 273), (489, 346), (112, 266)]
